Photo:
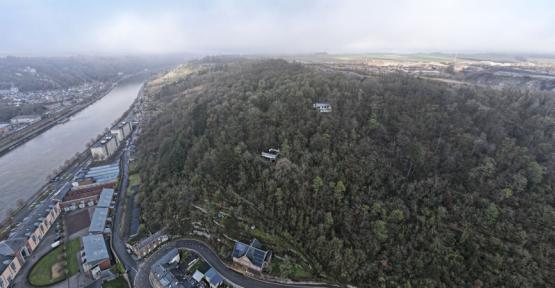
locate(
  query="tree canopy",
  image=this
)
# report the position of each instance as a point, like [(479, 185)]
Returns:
[(407, 182)]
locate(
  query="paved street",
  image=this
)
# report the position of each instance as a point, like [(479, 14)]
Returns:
[(118, 242), (239, 280)]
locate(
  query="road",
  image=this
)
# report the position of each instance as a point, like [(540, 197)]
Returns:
[(118, 244), (231, 276)]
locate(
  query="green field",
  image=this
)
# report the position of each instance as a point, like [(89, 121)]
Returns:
[(42, 275), (116, 283), (73, 262)]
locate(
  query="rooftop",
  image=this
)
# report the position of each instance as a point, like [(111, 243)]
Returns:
[(213, 277), (105, 199), (148, 240), (95, 248), (253, 252), (28, 225), (98, 221), (26, 116)]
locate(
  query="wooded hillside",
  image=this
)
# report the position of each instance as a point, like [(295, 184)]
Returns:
[(407, 182)]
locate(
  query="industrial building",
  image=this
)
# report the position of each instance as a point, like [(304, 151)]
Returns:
[(99, 220), (25, 119), (105, 199), (95, 255)]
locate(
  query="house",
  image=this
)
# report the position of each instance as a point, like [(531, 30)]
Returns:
[(148, 244), (95, 255), (251, 257), (198, 276), (163, 273), (322, 107), (213, 278), (272, 154), (25, 119)]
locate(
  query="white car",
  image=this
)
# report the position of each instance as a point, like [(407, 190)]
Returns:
[(56, 244)]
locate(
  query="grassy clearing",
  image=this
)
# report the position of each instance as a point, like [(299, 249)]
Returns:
[(289, 269), (72, 247), (134, 180), (116, 283), (41, 273)]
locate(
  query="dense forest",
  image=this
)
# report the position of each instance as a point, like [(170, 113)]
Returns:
[(407, 182)]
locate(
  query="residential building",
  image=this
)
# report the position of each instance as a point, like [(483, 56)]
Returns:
[(118, 134), (162, 271), (148, 244), (322, 107), (99, 151), (12, 257), (94, 255), (25, 119), (25, 238), (121, 131), (105, 148), (126, 127), (251, 257), (111, 144), (213, 278)]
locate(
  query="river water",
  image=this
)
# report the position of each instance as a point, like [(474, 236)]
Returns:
[(24, 170)]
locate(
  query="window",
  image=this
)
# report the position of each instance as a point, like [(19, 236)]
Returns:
[(12, 265)]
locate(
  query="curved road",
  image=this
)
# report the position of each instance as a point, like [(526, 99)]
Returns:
[(231, 276)]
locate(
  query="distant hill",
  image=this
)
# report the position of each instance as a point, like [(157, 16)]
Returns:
[(34, 73), (406, 183)]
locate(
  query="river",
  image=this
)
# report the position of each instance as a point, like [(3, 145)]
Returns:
[(24, 170)]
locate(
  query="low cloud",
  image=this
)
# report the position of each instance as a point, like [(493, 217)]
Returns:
[(249, 26)]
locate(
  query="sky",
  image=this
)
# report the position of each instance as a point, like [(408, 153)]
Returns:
[(60, 27)]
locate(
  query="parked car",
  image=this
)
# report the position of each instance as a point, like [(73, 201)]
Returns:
[(56, 244)]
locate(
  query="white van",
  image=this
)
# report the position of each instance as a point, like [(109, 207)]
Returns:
[(56, 244)]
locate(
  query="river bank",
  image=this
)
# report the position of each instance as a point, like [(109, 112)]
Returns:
[(32, 162), (11, 142)]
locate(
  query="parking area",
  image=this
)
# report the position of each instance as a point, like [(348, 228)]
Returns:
[(77, 221)]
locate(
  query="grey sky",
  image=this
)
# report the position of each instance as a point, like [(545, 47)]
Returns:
[(68, 27)]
